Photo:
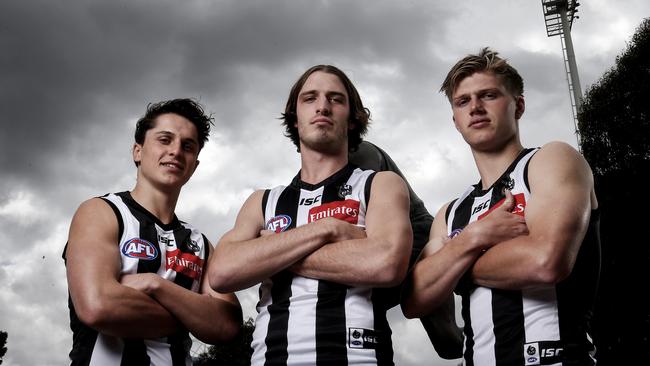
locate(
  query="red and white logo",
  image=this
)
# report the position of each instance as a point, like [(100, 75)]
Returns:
[(278, 223), (347, 210), (185, 263), (519, 209), (140, 249)]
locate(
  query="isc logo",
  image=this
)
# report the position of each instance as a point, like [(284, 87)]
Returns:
[(309, 201), (278, 223), (140, 249)]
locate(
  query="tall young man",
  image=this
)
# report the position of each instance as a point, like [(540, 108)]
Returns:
[(321, 245), (521, 246), (136, 273)]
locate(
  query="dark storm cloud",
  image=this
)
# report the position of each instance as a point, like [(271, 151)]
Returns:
[(100, 62)]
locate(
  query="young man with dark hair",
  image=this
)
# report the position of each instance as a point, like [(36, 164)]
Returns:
[(521, 246), (136, 273), (321, 245)]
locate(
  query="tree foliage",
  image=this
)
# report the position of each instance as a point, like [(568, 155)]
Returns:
[(3, 345), (615, 118), (235, 353), (615, 128)]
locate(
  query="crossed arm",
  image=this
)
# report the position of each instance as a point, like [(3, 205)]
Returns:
[(380, 259), (328, 249), (557, 216), (542, 250), (139, 306), (444, 261)]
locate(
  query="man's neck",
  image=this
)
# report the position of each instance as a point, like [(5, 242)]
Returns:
[(160, 204), (492, 164), (316, 166)]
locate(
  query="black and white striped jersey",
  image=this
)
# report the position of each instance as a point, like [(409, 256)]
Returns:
[(305, 321), (176, 252), (546, 325)]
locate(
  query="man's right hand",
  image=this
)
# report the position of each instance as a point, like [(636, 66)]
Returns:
[(499, 225)]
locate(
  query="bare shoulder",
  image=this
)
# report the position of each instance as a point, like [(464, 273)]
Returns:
[(557, 152), (255, 198), (95, 210), (558, 158), (388, 180)]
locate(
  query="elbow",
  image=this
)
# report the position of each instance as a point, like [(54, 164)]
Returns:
[(392, 272), (227, 332), (413, 308), (410, 311), (93, 313), (552, 271), (221, 281)]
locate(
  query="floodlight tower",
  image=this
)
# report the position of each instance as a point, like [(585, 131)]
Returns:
[(559, 15)]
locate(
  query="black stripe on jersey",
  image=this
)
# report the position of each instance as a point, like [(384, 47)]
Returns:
[(331, 332), (118, 215), (135, 353), (276, 336), (182, 238), (509, 334), (331, 348), (469, 332), (367, 188), (265, 200), (448, 210), (384, 350), (208, 247), (177, 348), (149, 233), (461, 218), (463, 213)]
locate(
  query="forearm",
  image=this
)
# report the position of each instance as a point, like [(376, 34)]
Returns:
[(209, 319), (239, 265), (516, 264), (126, 312), (361, 263), (435, 277)]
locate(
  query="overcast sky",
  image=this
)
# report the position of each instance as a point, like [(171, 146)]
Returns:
[(75, 75)]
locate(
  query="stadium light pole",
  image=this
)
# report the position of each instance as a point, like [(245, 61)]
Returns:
[(559, 16)]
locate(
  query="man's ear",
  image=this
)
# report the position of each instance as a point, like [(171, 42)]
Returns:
[(520, 106), (455, 124), (196, 166), (137, 153)]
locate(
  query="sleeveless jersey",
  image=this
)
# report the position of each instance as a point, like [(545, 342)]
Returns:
[(546, 325), (305, 321), (176, 252)]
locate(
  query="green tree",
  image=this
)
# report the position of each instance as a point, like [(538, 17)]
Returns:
[(235, 353), (3, 345), (615, 128)]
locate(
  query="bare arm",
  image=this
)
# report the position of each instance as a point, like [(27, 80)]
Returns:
[(443, 262), (557, 216), (93, 272), (380, 259), (243, 258), (210, 316)]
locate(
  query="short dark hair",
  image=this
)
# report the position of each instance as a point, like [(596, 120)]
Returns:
[(359, 115), (485, 61), (184, 107)]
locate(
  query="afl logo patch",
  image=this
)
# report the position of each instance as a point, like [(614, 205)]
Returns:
[(278, 223), (140, 249)]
